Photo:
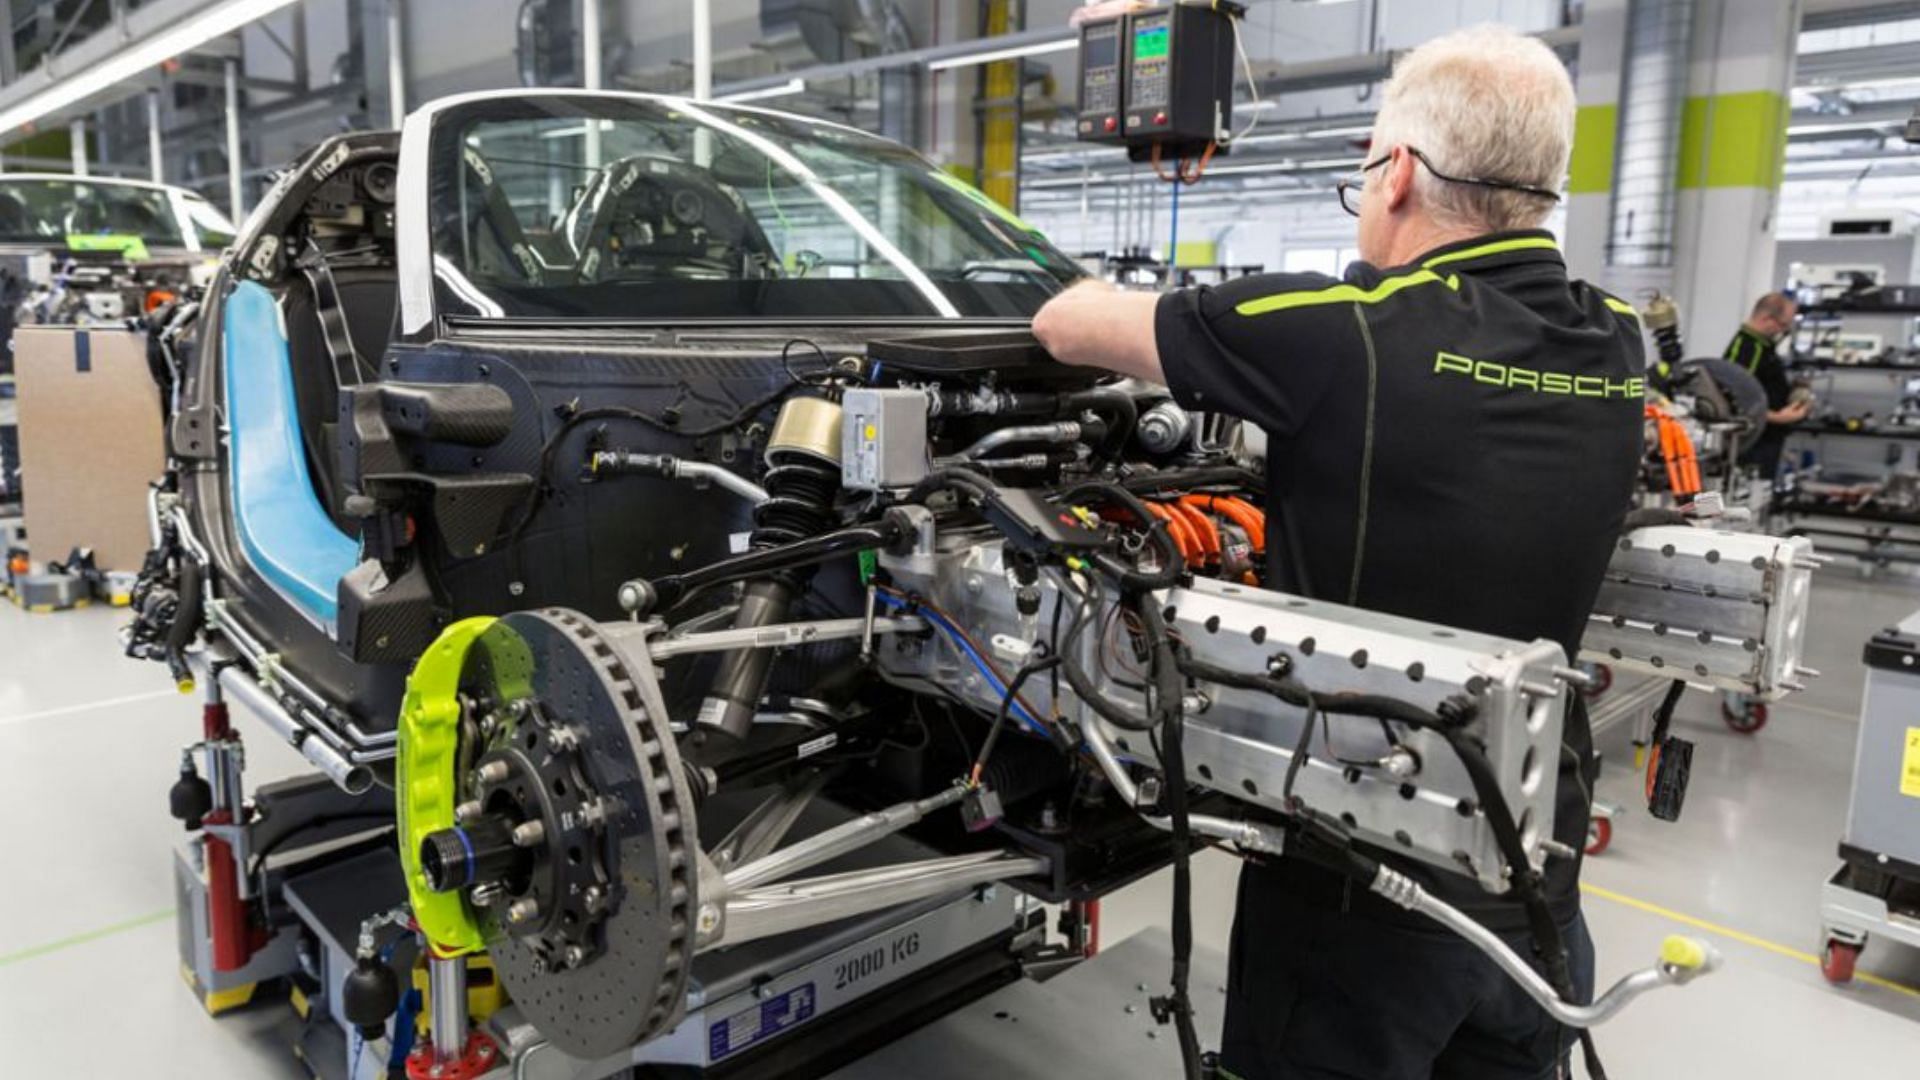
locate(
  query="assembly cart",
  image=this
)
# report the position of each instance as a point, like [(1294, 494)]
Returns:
[(1877, 889)]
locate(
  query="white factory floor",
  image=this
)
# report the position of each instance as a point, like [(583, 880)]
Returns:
[(89, 976)]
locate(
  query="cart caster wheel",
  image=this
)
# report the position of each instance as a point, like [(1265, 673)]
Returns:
[(1602, 680), (1747, 718), (1599, 835), (1837, 960)]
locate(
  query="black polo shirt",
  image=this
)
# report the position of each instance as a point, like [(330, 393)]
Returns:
[(1761, 359), (1454, 440)]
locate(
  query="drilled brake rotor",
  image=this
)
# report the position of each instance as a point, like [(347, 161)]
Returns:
[(633, 984)]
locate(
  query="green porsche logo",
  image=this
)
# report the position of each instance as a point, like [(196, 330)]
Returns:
[(1511, 377)]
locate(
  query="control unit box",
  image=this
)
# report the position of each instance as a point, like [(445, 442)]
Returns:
[(1159, 78)]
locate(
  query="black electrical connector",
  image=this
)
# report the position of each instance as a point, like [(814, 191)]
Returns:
[(1670, 761)]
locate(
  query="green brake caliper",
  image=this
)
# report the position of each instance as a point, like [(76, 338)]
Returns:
[(427, 779)]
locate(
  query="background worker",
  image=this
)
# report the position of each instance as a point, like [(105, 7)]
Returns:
[(1754, 348), (1454, 430)]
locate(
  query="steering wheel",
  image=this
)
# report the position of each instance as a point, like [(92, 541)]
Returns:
[(659, 217)]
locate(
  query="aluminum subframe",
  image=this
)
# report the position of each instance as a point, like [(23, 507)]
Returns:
[(1242, 742), (1725, 609)]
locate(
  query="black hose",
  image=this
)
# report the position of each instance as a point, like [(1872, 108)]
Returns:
[(675, 589), (1184, 480), (186, 619), (1083, 687), (1167, 705), (1119, 409)]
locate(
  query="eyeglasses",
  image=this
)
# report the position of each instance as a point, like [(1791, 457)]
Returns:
[(1350, 187)]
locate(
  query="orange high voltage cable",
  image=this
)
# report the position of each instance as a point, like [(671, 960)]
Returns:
[(1676, 450)]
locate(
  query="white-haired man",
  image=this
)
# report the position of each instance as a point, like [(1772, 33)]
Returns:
[(1453, 434)]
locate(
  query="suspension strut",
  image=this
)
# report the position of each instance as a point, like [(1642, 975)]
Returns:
[(802, 478), (1662, 317)]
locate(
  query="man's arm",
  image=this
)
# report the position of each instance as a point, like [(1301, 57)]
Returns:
[(1781, 408), (1793, 413), (1094, 324)]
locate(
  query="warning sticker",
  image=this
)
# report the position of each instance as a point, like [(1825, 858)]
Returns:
[(761, 1021), (1910, 765)]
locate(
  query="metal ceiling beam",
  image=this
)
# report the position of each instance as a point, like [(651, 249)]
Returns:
[(1840, 66), (137, 26), (1839, 14), (910, 58), (1310, 75)]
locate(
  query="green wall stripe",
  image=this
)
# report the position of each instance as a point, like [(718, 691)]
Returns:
[(1729, 140), (1595, 131), (1734, 140)]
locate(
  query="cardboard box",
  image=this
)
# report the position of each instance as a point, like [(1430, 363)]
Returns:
[(90, 441)]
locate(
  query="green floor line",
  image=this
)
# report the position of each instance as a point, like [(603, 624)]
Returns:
[(135, 923)]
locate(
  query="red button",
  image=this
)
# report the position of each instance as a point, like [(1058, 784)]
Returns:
[(1159, 118), (1112, 124)]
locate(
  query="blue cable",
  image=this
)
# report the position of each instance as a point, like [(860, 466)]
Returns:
[(1173, 239), (1015, 709)]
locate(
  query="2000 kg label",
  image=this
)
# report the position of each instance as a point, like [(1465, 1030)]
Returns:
[(872, 962)]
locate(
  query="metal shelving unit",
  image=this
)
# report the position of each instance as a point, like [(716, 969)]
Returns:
[(1866, 445)]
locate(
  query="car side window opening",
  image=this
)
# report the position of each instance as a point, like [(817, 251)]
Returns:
[(565, 208)]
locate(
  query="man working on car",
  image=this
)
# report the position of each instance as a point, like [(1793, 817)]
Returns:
[(1754, 348), (1453, 435)]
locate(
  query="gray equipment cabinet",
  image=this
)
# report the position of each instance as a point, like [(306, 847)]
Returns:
[(1877, 890)]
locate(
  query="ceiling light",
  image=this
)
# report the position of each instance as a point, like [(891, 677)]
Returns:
[(1852, 125), (1012, 52), (785, 89), (178, 39)]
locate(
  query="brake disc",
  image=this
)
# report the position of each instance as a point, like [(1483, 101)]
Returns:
[(628, 981)]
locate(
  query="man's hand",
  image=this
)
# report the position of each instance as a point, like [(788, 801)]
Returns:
[(1793, 413), (1094, 324)]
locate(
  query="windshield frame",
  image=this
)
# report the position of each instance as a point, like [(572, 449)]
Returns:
[(419, 312)]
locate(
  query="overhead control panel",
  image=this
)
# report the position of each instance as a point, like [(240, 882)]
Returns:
[(1160, 78), (1099, 119)]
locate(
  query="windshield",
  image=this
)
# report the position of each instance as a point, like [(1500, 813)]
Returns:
[(631, 208), (83, 214), (210, 225)]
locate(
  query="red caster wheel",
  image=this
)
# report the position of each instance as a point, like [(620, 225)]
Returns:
[(1602, 680), (1599, 834), (1750, 717), (1837, 960)]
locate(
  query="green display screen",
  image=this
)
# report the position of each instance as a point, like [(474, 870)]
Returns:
[(1150, 43)]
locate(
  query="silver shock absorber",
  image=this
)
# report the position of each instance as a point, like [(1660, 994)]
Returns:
[(1662, 319), (803, 476)]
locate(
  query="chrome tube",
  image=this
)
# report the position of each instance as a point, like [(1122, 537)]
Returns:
[(837, 841), (447, 985), (1405, 892), (1250, 835), (781, 908), (240, 687), (1064, 431)]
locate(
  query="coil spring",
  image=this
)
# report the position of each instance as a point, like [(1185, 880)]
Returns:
[(1668, 338), (800, 491)]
